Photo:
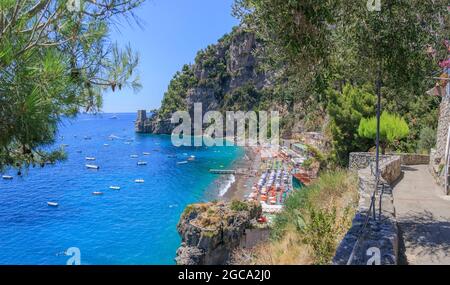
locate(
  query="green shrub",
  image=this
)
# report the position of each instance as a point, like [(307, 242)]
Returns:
[(320, 214), (392, 129), (427, 139), (237, 205)]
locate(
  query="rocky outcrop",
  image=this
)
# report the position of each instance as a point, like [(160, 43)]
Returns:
[(211, 231), (152, 125)]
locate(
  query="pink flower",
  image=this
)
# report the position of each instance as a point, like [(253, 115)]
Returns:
[(445, 63)]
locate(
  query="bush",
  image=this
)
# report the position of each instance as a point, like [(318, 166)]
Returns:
[(427, 139), (237, 205), (313, 222), (392, 129), (346, 109)]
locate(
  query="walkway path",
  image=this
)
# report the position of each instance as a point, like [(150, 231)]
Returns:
[(423, 215)]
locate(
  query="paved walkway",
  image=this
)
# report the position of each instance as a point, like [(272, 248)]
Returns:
[(423, 215)]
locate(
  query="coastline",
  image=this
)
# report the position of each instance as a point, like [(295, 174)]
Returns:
[(242, 185)]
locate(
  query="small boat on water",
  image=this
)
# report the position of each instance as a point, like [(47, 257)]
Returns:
[(142, 163), (146, 153), (134, 156), (92, 166), (182, 162), (191, 158), (172, 156), (114, 187), (113, 117), (114, 137), (52, 204), (90, 158), (87, 138), (127, 142), (7, 177), (97, 193), (105, 144), (139, 180)]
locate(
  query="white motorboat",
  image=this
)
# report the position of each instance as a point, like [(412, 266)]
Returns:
[(139, 180), (182, 162), (134, 156), (90, 158), (92, 166), (146, 153), (52, 204), (142, 163), (97, 193), (7, 177), (114, 187)]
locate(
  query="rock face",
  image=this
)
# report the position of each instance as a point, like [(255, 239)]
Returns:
[(151, 125), (211, 231), (224, 76)]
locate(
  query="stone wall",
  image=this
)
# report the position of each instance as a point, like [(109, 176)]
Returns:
[(361, 160), (361, 242), (437, 155)]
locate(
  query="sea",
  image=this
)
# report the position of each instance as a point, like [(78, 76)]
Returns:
[(133, 225)]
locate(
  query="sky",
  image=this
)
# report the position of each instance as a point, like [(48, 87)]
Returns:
[(172, 32)]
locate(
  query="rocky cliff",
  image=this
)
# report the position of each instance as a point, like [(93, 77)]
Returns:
[(211, 231), (225, 76)]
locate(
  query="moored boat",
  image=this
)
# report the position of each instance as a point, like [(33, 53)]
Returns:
[(139, 180), (90, 158), (142, 163), (7, 177), (97, 193), (114, 187), (52, 204), (92, 166)]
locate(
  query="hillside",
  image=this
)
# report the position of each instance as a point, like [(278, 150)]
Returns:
[(230, 75)]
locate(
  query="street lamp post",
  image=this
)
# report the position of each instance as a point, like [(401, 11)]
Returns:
[(377, 143)]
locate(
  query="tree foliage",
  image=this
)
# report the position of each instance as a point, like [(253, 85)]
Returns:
[(56, 61), (346, 109), (392, 129), (320, 45)]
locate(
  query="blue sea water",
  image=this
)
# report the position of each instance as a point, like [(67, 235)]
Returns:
[(135, 225)]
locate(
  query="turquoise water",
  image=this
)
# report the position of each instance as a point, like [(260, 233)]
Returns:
[(135, 225)]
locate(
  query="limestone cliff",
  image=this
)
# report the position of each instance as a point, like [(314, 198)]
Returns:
[(211, 231), (224, 76)]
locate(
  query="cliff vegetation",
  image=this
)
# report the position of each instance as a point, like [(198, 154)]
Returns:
[(311, 225)]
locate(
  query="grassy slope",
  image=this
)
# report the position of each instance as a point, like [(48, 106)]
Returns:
[(313, 222)]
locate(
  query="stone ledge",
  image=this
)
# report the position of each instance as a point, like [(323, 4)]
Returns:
[(361, 160), (381, 233)]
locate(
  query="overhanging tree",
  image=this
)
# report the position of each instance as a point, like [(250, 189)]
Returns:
[(56, 61)]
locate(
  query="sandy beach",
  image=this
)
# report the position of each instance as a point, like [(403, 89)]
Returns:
[(249, 165)]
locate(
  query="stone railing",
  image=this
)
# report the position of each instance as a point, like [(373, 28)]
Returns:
[(373, 241), (360, 160)]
